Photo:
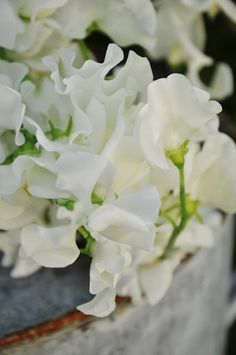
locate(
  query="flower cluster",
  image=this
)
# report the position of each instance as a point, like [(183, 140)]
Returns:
[(30, 30), (99, 159)]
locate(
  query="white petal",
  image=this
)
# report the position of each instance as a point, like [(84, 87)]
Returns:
[(81, 15), (121, 226), (145, 203), (11, 73), (100, 279), (50, 247), (110, 256), (9, 183), (8, 25), (156, 280), (19, 209), (11, 112), (24, 267), (137, 15), (101, 305), (195, 236), (78, 172), (222, 84), (62, 70), (9, 245), (213, 179), (229, 8)]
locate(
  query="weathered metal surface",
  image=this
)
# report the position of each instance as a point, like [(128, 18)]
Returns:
[(46, 295), (189, 320)]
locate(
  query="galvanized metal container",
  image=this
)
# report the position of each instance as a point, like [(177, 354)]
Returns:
[(189, 320)]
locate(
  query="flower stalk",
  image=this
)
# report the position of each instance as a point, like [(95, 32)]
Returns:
[(183, 220), (178, 159)]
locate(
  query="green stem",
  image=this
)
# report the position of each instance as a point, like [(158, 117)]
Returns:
[(184, 216), (88, 249), (182, 193)]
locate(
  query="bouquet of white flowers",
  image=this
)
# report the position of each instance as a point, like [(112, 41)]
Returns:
[(99, 158)]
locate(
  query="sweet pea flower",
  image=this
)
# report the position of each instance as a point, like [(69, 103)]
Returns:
[(216, 160), (226, 6), (19, 209), (181, 23), (10, 247), (166, 121), (109, 261), (50, 246), (117, 227), (151, 278), (138, 16), (27, 31), (127, 220), (78, 173), (66, 120)]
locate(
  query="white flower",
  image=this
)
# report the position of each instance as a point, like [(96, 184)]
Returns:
[(19, 209), (156, 279), (213, 177), (96, 117), (132, 170), (227, 6), (34, 173), (118, 227), (195, 236), (50, 246), (27, 31), (150, 278), (109, 262), (129, 219), (128, 81), (138, 16), (176, 111), (184, 33), (222, 82), (78, 172), (40, 8), (181, 23)]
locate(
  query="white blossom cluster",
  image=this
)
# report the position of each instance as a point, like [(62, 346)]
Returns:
[(99, 159), (170, 29)]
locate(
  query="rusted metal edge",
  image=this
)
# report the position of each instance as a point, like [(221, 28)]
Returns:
[(50, 326)]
